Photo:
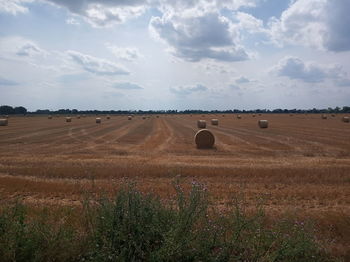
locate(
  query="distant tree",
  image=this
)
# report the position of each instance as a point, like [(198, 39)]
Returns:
[(20, 110), (6, 110)]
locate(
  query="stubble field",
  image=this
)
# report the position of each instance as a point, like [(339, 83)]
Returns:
[(299, 165)]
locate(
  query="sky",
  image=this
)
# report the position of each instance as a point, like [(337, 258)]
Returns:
[(174, 54)]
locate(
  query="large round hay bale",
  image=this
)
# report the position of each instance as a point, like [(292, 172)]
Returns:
[(346, 119), (129, 117), (324, 116), (239, 116), (4, 122), (204, 139), (201, 124), (215, 122), (68, 119), (98, 120), (263, 123)]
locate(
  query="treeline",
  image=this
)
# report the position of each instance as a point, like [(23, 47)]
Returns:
[(9, 110)]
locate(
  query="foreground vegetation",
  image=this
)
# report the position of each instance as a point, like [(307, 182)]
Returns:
[(138, 227)]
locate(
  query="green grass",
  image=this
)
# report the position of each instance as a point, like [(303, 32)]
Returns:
[(134, 226)]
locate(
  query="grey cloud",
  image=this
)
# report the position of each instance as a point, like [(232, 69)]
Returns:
[(194, 38), (314, 23), (102, 13), (295, 68), (28, 49), (186, 90), (127, 86), (97, 65), (242, 80), (7, 82)]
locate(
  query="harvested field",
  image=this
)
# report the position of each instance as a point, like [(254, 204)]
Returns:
[(299, 165)]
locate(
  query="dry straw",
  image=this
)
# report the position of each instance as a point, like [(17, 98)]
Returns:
[(263, 123), (68, 119), (98, 120), (215, 122), (346, 119), (201, 124), (4, 122), (204, 139)]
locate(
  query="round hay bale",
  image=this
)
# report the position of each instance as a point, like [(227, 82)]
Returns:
[(223, 115), (49, 117), (333, 115), (129, 117), (239, 116), (346, 119), (68, 119), (253, 115), (204, 139), (263, 123), (215, 122), (108, 117), (324, 116), (201, 124), (290, 114), (4, 122), (98, 120), (78, 116), (143, 117)]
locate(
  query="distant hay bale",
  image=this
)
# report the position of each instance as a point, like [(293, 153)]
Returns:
[(324, 116), (4, 122), (157, 116), (143, 117), (346, 119), (333, 115), (78, 116), (263, 123), (98, 120), (223, 115), (108, 117), (201, 124), (239, 116), (290, 114), (204, 139), (215, 122), (253, 115), (68, 119), (129, 117), (49, 117)]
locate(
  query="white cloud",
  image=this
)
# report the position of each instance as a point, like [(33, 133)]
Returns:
[(199, 36), (187, 90), (14, 7), (310, 72), (315, 23), (124, 53), (72, 21), (96, 65)]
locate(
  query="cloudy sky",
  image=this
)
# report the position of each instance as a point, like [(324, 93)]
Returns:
[(174, 54)]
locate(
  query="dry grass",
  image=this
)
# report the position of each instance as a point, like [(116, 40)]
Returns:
[(300, 166)]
